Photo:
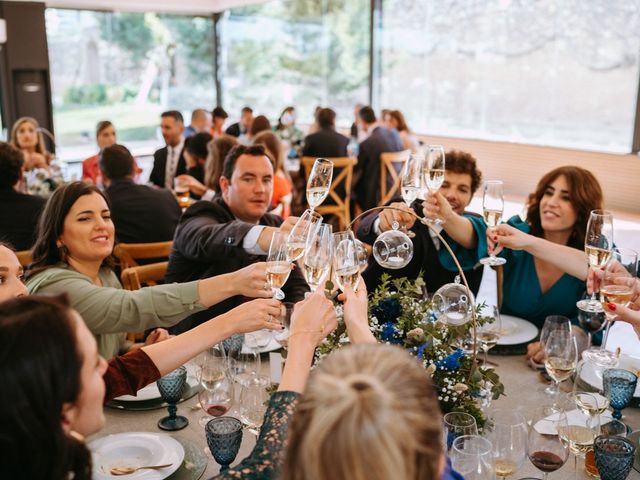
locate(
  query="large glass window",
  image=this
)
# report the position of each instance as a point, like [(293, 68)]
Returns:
[(551, 72), (127, 68), (296, 52)]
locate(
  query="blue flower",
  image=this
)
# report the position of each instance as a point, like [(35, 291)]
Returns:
[(390, 333), (419, 351), (387, 310), (452, 361)]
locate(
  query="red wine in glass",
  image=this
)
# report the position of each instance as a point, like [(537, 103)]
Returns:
[(546, 461), (216, 410)]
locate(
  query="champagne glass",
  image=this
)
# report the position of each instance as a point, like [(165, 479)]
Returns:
[(253, 402), (319, 182), (457, 424), (598, 243), (305, 227), (507, 431), (318, 256), (346, 268), (616, 286), (561, 357), (433, 175), (578, 433), (544, 448), (215, 397), (472, 457), (411, 182), (278, 264), (492, 209), (489, 333)]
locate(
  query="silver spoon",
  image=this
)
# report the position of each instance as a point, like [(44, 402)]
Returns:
[(130, 470)]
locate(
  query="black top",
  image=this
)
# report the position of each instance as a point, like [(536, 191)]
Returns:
[(142, 214), (208, 242), (425, 258), (19, 214), (234, 130), (325, 143), (160, 165)]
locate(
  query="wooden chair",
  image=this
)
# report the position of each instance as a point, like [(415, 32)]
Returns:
[(24, 257), (390, 168), (342, 180), (129, 253)]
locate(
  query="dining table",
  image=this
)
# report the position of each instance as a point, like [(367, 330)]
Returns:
[(523, 392)]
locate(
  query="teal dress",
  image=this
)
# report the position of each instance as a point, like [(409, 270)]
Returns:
[(521, 288)]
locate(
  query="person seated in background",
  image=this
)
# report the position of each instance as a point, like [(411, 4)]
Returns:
[(326, 142), (461, 181), (73, 254), (260, 124), (380, 139), (195, 154), (19, 212), (219, 117), (231, 231), (242, 127), (200, 122), (140, 214), (355, 132), (168, 161), (314, 127), (217, 150), (395, 119), (282, 184), (290, 135), (105, 137)]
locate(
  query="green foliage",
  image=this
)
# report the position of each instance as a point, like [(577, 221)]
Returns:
[(97, 94)]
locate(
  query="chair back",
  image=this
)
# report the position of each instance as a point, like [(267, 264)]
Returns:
[(390, 167), (130, 253), (134, 278), (24, 257), (340, 190)]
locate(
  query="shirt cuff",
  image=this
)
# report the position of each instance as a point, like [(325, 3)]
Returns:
[(250, 241), (376, 226), (190, 296)]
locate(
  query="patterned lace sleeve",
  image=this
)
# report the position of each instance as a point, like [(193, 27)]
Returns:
[(267, 456)]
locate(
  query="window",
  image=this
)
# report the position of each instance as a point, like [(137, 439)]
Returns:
[(127, 68), (549, 72), (296, 52)]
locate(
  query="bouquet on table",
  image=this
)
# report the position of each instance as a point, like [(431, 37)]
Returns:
[(399, 314)]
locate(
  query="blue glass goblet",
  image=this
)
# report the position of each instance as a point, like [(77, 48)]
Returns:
[(619, 386), (614, 457), (224, 436), (171, 388)]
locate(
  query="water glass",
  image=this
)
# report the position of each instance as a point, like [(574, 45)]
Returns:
[(457, 424), (171, 388), (619, 387), (224, 437), (253, 402), (507, 431), (614, 457), (471, 456)]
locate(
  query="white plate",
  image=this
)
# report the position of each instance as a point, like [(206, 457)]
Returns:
[(135, 449), (151, 392), (269, 347), (593, 375), (516, 330)]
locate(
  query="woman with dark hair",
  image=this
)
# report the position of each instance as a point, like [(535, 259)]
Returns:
[(73, 254), (290, 135), (395, 119), (260, 124), (282, 184)]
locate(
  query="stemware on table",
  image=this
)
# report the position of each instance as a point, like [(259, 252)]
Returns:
[(457, 424), (560, 351), (171, 388), (489, 333), (318, 256), (278, 263), (507, 432), (224, 437), (319, 182), (619, 386), (346, 265), (253, 402), (544, 448), (578, 432), (472, 457), (216, 396), (614, 457), (492, 209)]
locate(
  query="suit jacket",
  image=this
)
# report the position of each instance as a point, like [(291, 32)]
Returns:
[(160, 165), (425, 258), (142, 214), (234, 129), (208, 242), (367, 187), (19, 215), (325, 143)]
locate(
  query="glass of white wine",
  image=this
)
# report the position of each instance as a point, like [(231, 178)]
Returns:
[(305, 227), (319, 182), (433, 175), (561, 356), (578, 434), (492, 209), (346, 267), (411, 182), (278, 264), (489, 333), (318, 256), (598, 243)]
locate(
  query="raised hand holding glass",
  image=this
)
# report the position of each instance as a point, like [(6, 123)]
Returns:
[(492, 208)]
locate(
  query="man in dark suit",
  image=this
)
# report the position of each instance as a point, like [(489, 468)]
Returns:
[(244, 125), (462, 179), (168, 162), (141, 214), (380, 140), (19, 213), (231, 232), (326, 142)]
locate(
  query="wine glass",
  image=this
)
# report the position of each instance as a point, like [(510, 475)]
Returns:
[(614, 428), (590, 404), (215, 397), (319, 182), (457, 424), (346, 267), (616, 286), (253, 402), (171, 388), (224, 437), (489, 333), (433, 175), (363, 255), (544, 448), (598, 243), (553, 324), (492, 209), (282, 336), (278, 264), (472, 457), (591, 321), (305, 228), (561, 356), (578, 433), (619, 386), (411, 182), (507, 431), (614, 457), (318, 256)]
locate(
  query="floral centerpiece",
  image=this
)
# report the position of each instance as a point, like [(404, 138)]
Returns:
[(400, 314)]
